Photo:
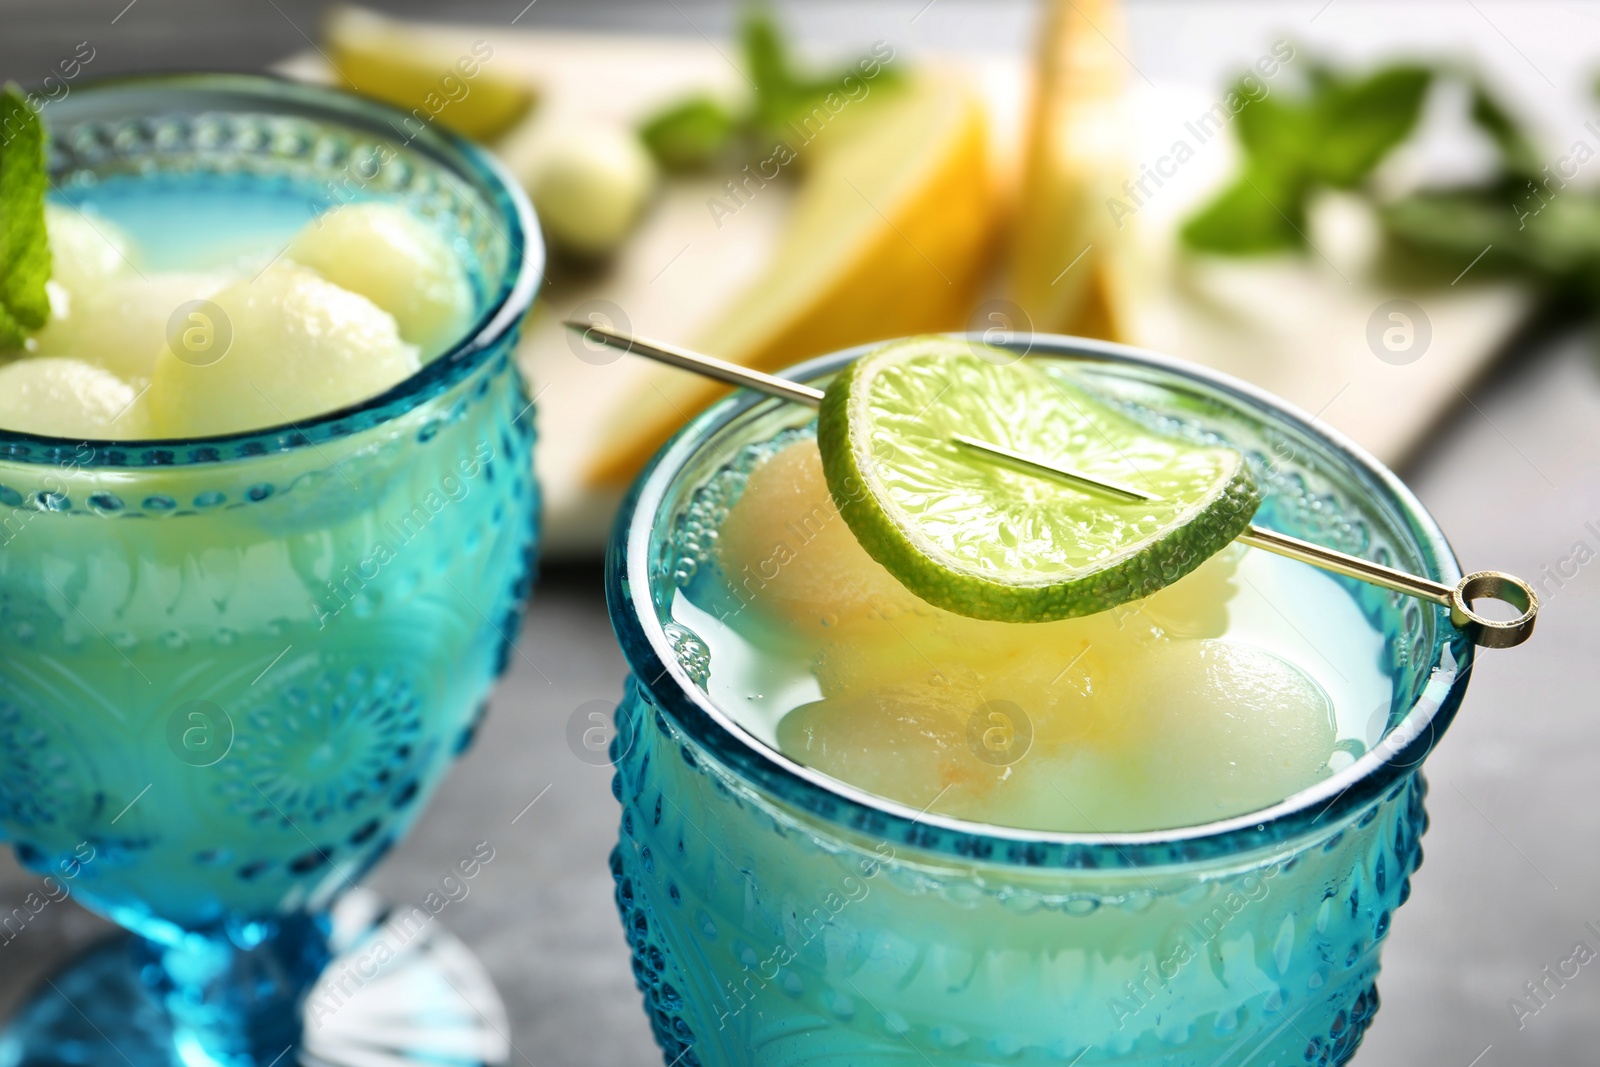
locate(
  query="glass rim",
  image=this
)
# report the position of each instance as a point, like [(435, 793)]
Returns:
[(850, 809), (526, 252)]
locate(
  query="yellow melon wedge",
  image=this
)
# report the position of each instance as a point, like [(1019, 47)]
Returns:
[(403, 64), (1067, 266), (891, 233)]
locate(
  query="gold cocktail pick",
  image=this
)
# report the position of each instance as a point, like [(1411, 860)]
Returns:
[(1493, 585)]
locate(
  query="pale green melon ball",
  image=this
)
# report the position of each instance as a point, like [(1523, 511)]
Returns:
[(68, 398), (84, 250), (121, 325), (590, 187), (1213, 729), (282, 348), (398, 262)]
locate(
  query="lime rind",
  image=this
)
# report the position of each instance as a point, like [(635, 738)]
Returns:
[(976, 537)]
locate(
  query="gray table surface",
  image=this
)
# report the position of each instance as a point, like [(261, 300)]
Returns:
[(1513, 856)]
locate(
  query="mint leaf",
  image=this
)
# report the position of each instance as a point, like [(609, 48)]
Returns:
[(690, 134), (1260, 212), (1517, 153), (764, 51), (24, 244), (783, 92), (1274, 133), (1337, 130), (1333, 134), (767, 57), (11, 332), (1564, 238), (1357, 123), (1557, 249), (1450, 227)]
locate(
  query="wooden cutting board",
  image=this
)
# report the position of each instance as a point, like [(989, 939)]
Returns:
[(1318, 330)]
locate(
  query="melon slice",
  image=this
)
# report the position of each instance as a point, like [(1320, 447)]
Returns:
[(890, 234), (1067, 267)]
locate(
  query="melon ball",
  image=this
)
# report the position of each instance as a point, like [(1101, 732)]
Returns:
[(276, 350), (905, 743), (590, 185), (1196, 605), (68, 398), (988, 750), (121, 324), (85, 250), (1210, 729), (396, 260), (786, 551), (1048, 668)]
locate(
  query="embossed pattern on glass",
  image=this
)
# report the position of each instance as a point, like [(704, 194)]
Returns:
[(234, 670), (778, 917)]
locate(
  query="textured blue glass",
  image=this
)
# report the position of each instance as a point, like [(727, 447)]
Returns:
[(233, 670), (778, 917)]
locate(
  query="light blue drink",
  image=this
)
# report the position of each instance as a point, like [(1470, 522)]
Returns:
[(780, 917), (233, 670)]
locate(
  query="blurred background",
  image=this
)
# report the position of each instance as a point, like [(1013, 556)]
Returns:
[(1388, 213)]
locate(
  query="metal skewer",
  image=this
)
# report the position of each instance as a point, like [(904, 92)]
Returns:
[(1056, 470), (1494, 585)]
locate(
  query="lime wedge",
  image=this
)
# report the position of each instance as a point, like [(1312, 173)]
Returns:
[(976, 534)]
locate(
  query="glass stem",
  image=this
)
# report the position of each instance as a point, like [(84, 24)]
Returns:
[(235, 993)]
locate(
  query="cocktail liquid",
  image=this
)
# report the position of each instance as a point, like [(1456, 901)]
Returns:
[(231, 673), (1240, 684), (776, 921)]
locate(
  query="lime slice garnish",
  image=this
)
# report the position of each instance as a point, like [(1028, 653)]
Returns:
[(975, 534)]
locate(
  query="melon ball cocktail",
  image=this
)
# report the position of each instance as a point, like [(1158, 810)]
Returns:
[(268, 517), (928, 757)]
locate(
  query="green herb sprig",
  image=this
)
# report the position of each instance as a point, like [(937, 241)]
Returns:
[(1537, 224), (24, 244), (695, 132), (1333, 135)]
